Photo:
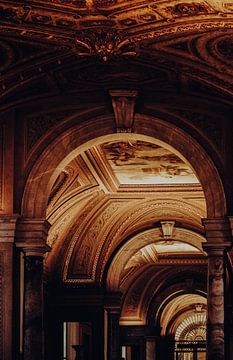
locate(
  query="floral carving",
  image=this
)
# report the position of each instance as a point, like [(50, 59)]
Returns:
[(189, 9), (104, 43)]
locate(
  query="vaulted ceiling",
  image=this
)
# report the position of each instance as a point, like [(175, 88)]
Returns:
[(110, 208), (108, 203)]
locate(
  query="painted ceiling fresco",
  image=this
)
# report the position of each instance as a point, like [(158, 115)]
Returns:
[(174, 247), (139, 162)]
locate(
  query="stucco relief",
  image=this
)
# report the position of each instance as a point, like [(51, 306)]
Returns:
[(85, 215), (91, 242)]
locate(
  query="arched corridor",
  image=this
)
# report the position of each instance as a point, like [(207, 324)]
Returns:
[(116, 198)]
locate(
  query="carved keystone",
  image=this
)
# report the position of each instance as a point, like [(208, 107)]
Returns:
[(123, 103)]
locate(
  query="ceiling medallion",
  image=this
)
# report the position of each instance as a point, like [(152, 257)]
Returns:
[(104, 43)]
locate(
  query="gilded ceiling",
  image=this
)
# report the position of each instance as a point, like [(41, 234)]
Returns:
[(107, 222)]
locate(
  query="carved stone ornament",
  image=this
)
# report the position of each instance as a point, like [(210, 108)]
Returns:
[(123, 103), (104, 43)]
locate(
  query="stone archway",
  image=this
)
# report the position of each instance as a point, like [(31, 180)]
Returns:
[(67, 145), (88, 133)]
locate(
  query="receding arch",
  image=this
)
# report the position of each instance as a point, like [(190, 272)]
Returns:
[(138, 243), (83, 135)]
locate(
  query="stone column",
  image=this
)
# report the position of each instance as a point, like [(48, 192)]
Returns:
[(112, 305), (31, 238), (7, 235), (218, 237)]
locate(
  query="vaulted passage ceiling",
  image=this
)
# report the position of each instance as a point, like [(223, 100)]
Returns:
[(126, 214), (109, 205)]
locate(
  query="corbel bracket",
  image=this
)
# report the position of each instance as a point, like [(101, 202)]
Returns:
[(123, 103)]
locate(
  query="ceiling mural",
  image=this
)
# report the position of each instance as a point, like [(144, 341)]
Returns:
[(140, 162)]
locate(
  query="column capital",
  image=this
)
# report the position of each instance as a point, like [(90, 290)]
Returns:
[(8, 227), (35, 250), (217, 230), (31, 236)]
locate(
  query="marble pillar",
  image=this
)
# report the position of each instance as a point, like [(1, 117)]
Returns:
[(31, 239), (218, 243)]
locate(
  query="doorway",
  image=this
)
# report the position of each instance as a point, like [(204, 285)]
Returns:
[(77, 341)]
